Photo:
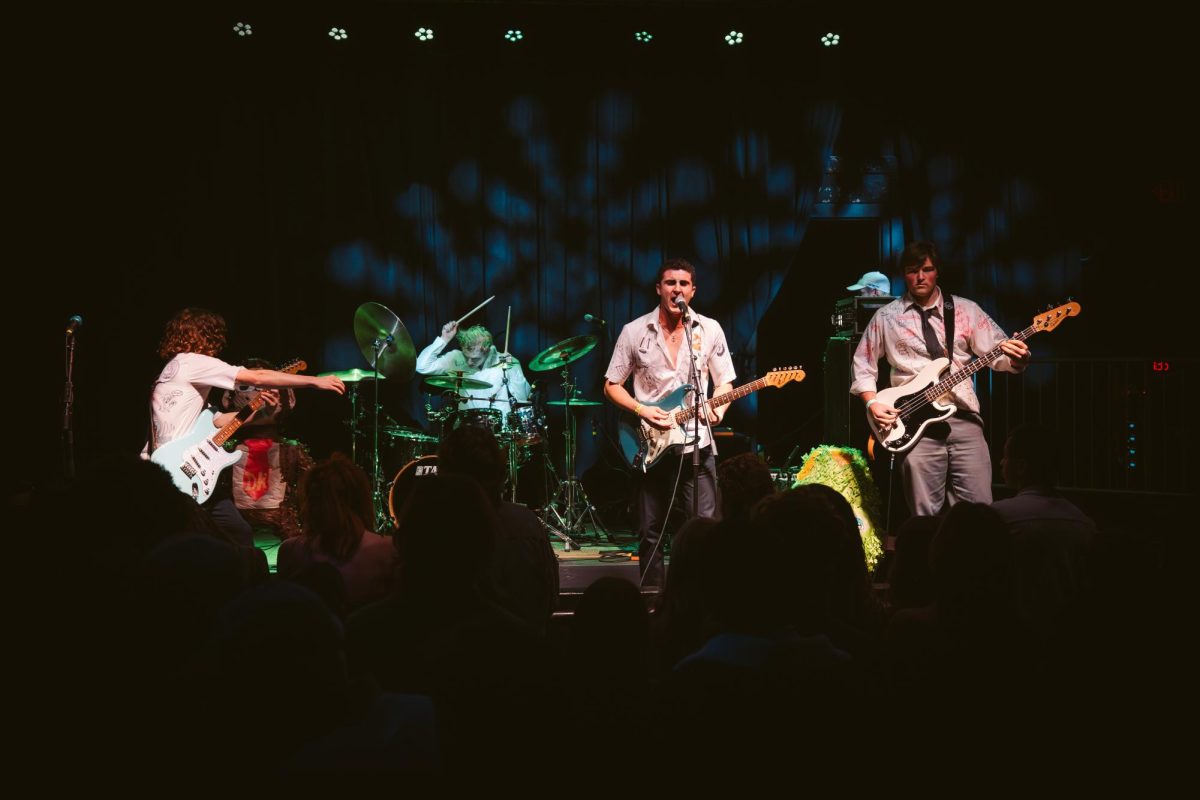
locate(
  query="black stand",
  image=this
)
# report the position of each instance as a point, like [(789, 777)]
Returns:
[(382, 519), (68, 420), (570, 504), (698, 405)]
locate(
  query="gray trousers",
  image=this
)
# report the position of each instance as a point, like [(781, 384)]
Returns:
[(950, 463)]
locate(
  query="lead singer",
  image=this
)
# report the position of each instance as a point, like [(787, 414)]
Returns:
[(651, 349)]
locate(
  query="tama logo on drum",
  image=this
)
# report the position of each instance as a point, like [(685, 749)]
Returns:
[(424, 470)]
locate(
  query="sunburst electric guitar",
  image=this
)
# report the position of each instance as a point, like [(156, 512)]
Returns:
[(925, 398), (196, 459), (644, 444)]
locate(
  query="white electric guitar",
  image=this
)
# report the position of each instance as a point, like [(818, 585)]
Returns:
[(925, 397), (644, 444), (196, 459)]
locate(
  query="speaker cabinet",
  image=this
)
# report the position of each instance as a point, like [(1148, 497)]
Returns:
[(845, 418)]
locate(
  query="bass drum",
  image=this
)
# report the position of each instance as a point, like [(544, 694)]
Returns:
[(406, 482)]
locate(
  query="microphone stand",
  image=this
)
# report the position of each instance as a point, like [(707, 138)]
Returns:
[(511, 448), (68, 423), (698, 400), (381, 518)]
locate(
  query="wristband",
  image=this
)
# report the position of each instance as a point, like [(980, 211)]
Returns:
[(872, 400), (637, 410)]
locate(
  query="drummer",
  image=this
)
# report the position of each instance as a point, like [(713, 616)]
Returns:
[(477, 359)]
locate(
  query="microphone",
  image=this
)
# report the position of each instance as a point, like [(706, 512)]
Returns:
[(792, 456), (74, 324), (681, 304), (593, 318)]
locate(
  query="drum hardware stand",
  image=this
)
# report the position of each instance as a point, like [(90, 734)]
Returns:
[(382, 519), (570, 504)]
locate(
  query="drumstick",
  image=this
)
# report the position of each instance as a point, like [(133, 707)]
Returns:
[(473, 310), (507, 326)]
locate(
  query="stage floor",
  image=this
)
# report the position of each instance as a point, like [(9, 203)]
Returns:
[(600, 554)]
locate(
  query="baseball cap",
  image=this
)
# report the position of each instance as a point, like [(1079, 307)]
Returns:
[(873, 280)]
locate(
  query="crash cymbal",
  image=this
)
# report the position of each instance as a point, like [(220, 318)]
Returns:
[(577, 401), (375, 323), (352, 375), (456, 381), (563, 353)]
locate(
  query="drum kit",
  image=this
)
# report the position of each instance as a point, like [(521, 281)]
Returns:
[(388, 349)]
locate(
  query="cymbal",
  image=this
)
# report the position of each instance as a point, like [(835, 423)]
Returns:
[(563, 353), (455, 380), (352, 375), (579, 401), (376, 323)]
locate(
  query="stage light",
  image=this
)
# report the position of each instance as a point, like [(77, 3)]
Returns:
[(242, 29), (338, 34), (733, 37), (514, 35), (830, 39), (424, 34), (643, 36)]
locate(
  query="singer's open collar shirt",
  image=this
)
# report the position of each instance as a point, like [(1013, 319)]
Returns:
[(641, 351)]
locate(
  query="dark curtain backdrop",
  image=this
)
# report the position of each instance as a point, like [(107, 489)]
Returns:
[(285, 179)]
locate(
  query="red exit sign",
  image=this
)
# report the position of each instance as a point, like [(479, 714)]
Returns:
[(1161, 366)]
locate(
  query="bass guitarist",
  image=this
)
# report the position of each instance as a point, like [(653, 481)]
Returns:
[(656, 349), (191, 342), (950, 461)]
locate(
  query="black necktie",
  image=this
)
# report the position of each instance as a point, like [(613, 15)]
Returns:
[(931, 340)]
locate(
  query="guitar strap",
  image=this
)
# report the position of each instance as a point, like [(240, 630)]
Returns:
[(948, 319), (150, 437)]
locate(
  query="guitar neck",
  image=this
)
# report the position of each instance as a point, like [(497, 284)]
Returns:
[(955, 378), (239, 419), (683, 415)]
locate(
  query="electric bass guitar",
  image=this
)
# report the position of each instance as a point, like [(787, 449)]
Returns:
[(925, 398), (644, 444), (196, 459)]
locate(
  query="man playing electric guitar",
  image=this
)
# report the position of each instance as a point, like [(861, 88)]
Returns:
[(192, 340), (911, 333), (656, 349)]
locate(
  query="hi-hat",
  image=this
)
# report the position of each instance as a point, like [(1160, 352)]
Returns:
[(375, 324), (563, 353), (575, 401), (352, 375), (456, 381)]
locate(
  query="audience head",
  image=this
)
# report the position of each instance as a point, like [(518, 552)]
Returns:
[(472, 451), (1030, 457), (445, 535), (743, 479), (336, 507)]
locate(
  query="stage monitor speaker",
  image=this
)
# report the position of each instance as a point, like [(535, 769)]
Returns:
[(845, 420)]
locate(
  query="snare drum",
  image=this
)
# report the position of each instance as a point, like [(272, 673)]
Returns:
[(406, 482), (522, 426)]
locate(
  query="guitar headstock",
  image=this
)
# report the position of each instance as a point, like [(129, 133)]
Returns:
[(1051, 319), (782, 375), (294, 366)]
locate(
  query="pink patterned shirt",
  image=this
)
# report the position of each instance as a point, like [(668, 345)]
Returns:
[(894, 333)]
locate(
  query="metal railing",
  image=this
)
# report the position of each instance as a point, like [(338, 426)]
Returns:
[(1120, 423)]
